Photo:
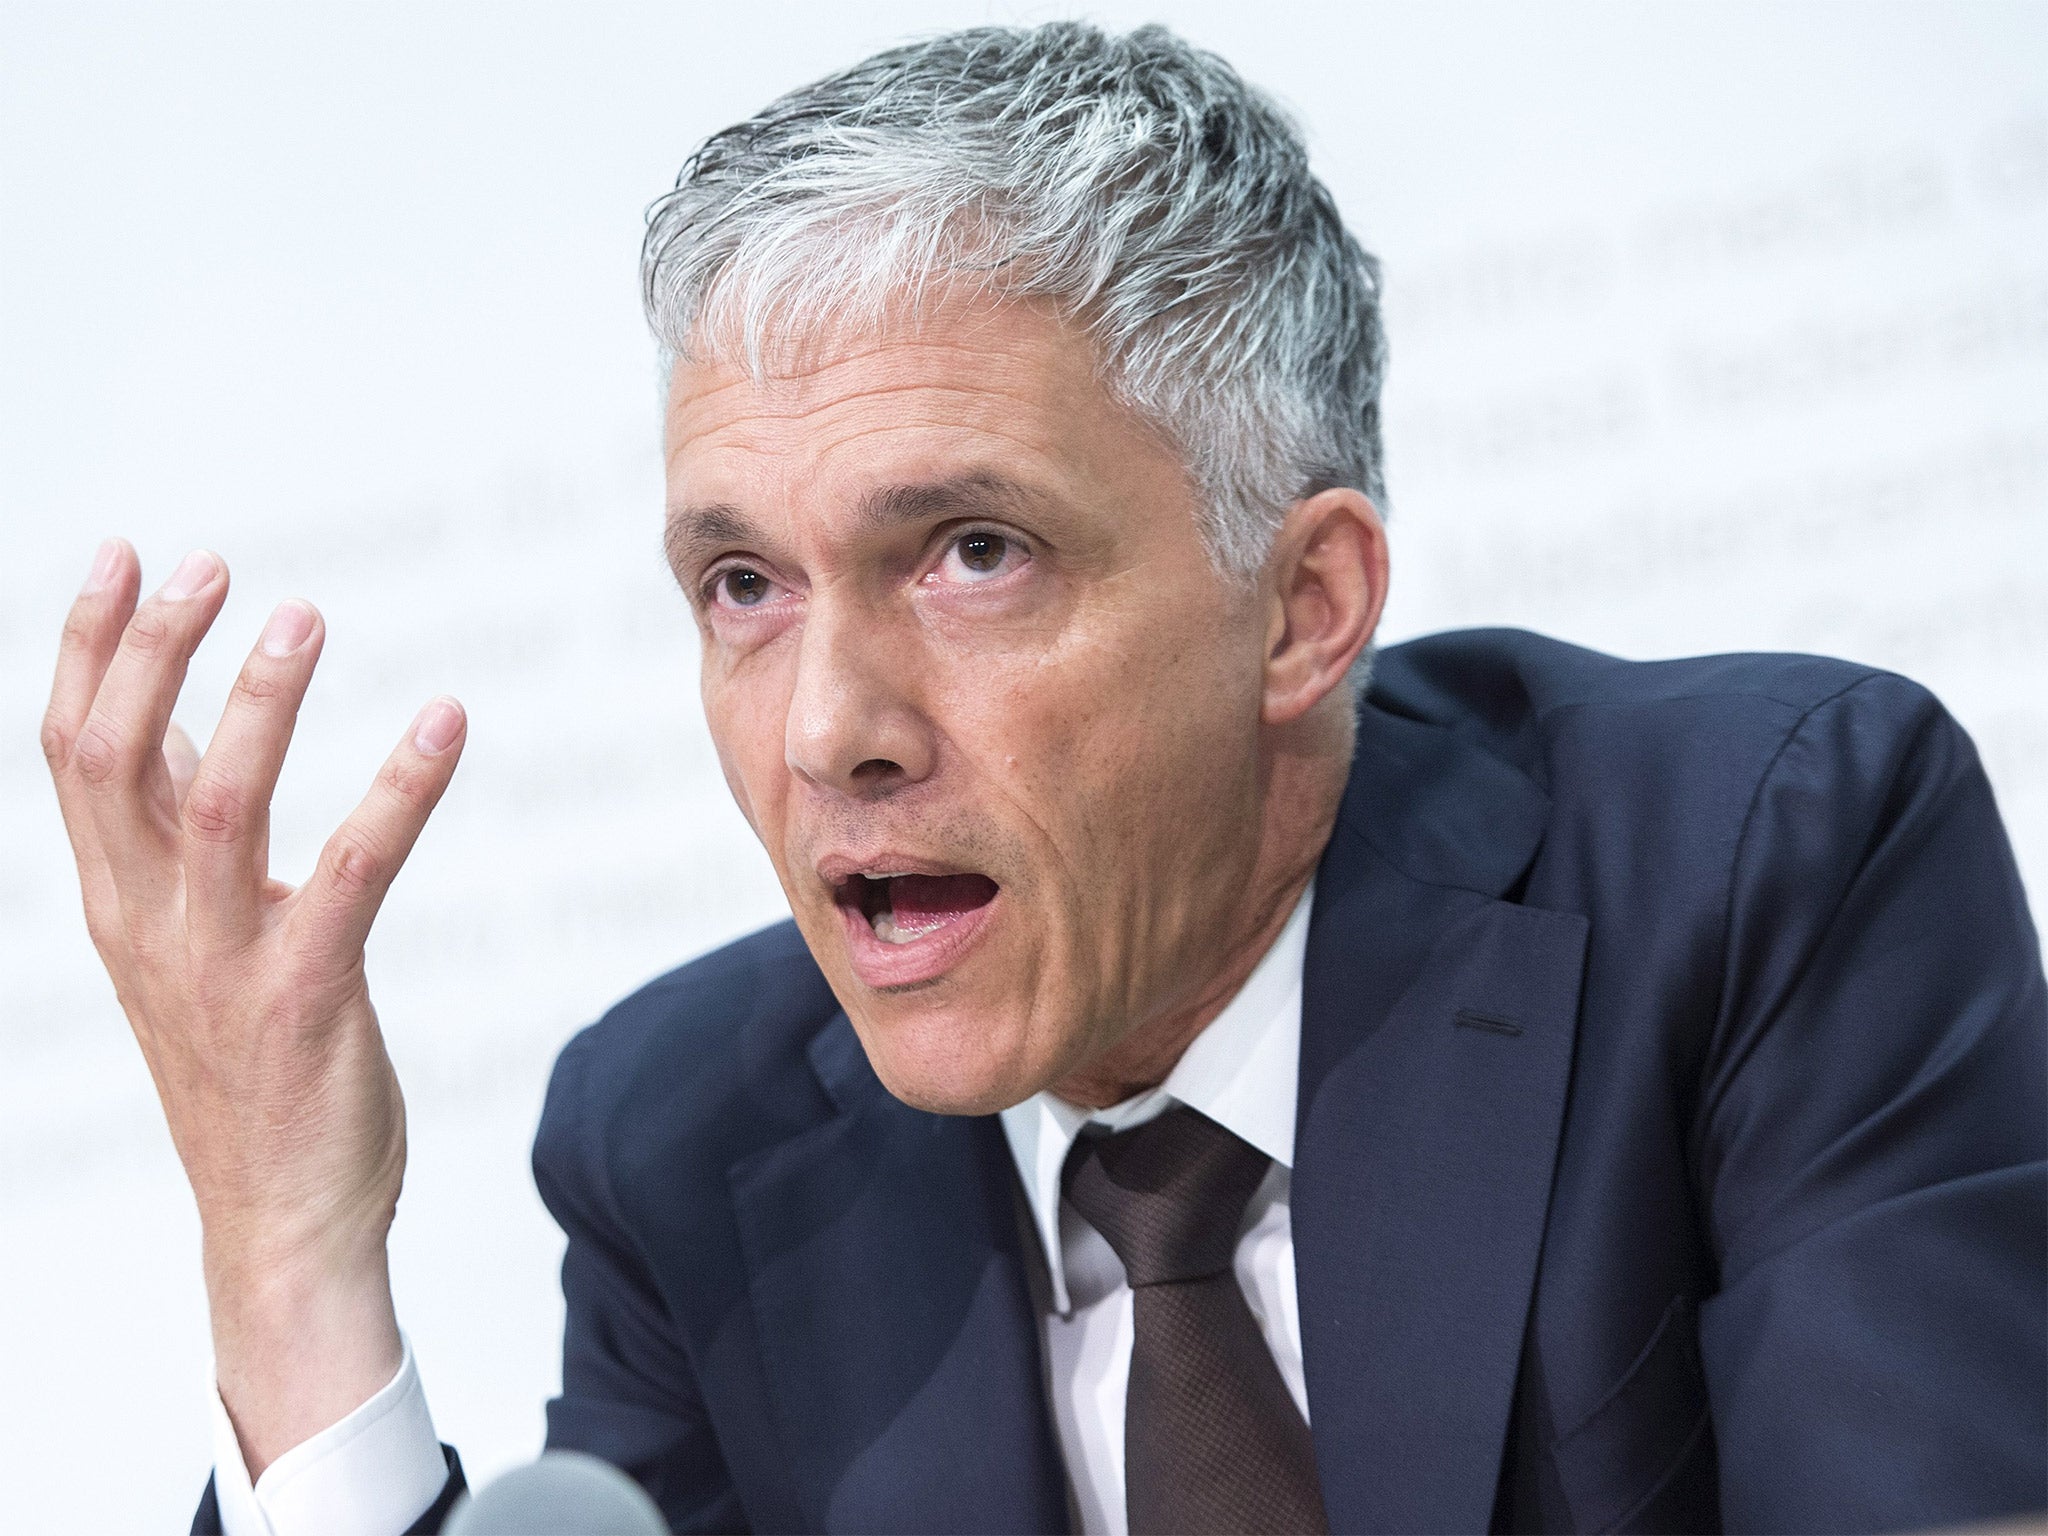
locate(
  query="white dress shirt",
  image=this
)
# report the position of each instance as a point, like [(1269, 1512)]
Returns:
[(371, 1474), (1241, 1072), (376, 1471)]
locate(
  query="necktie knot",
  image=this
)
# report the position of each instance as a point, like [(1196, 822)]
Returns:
[(1168, 1196)]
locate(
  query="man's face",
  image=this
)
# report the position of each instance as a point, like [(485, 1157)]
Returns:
[(977, 687)]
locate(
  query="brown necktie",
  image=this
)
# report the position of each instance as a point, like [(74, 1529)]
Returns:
[(1212, 1440)]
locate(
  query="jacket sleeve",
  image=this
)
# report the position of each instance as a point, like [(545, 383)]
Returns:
[(1870, 1139), (629, 1389)]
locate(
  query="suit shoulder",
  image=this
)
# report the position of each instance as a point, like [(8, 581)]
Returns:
[(1510, 671), (715, 1044), (1521, 694)]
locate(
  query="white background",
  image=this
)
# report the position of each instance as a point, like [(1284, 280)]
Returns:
[(1713, 329)]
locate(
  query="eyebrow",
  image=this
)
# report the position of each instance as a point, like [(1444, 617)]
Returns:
[(980, 491), (690, 533), (693, 532)]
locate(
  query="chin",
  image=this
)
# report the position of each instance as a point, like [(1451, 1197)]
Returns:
[(947, 1060), (945, 1014)]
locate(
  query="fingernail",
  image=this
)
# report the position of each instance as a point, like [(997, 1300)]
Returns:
[(192, 574), (437, 727), (288, 628), (104, 564)]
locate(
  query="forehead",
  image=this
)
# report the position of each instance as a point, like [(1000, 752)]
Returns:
[(970, 389)]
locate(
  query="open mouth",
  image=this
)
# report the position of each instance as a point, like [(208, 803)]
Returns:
[(901, 909), (907, 927)]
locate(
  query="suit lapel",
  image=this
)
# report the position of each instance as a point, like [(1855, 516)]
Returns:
[(1437, 1031), (892, 1303)]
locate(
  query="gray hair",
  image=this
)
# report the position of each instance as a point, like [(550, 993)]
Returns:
[(1135, 183)]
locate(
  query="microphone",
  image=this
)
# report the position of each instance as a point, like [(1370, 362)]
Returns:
[(565, 1493)]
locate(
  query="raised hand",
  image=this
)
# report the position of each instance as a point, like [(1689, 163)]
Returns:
[(246, 995)]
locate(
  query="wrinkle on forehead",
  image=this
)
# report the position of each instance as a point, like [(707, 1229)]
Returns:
[(967, 344), (949, 386)]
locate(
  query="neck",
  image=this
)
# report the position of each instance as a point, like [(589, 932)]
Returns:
[(1303, 786)]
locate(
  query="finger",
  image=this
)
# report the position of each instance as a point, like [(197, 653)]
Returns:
[(181, 758), (118, 755), (226, 817), (338, 904), (92, 629)]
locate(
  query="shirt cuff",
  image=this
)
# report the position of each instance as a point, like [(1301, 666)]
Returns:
[(372, 1473)]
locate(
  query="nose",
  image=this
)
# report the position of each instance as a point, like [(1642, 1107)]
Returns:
[(854, 725)]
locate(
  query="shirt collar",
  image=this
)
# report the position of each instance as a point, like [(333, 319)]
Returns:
[(1241, 1071)]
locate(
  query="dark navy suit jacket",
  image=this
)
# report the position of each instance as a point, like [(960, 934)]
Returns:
[(1670, 1151)]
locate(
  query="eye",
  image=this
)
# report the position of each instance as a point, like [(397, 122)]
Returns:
[(740, 586), (981, 554)]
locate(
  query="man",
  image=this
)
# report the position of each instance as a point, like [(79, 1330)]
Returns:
[(1538, 1092)]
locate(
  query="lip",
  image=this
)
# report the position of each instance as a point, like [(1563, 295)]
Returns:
[(885, 966), (836, 868)]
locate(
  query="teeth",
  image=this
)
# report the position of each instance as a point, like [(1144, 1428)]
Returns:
[(883, 920), (889, 931)]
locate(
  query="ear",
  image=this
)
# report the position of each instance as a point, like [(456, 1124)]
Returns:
[(1326, 582)]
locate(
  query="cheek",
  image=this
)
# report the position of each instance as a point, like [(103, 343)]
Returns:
[(746, 715), (1146, 692), (1130, 754)]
